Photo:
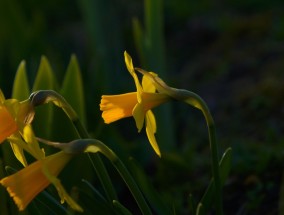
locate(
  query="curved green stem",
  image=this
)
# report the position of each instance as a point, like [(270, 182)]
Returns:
[(95, 146), (117, 163), (97, 164), (45, 96), (195, 100)]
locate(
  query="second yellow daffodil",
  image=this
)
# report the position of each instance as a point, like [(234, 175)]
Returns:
[(24, 185)]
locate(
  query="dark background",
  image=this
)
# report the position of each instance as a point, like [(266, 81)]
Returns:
[(230, 53)]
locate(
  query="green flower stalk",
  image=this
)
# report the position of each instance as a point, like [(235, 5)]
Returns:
[(94, 146), (196, 101)]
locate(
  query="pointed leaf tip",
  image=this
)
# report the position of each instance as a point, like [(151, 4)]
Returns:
[(73, 89), (21, 89)]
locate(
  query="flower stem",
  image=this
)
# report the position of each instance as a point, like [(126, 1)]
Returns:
[(94, 146), (45, 96), (97, 164), (196, 101), (128, 179)]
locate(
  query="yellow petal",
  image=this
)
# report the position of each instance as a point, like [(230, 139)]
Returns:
[(128, 62), (13, 106), (147, 84), (159, 84), (151, 121), (116, 107), (8, 126), (17, 148), (25, 113), (130, 68), (64, 196), (139, 115), (22, 111), (2, 97), (151, 130), (25, 184), (33, 145)]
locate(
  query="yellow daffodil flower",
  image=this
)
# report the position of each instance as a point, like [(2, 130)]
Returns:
[(14, 115), (27, 183), (137, 104), (24, 185)]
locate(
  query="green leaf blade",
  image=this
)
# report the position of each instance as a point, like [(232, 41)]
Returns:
[(73, 90), (224, 168), (45, 79), (21, 89)]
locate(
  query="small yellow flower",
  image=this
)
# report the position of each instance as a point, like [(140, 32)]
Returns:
[(24, 185), (137, 104)]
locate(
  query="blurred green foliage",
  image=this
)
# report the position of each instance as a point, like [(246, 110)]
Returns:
[(231, 53)]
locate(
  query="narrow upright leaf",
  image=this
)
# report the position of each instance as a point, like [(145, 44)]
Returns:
[(153, 197), (139, 39), (21, 89), (224, 168), (121, 209), (45, 78), (72, 88)]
